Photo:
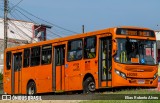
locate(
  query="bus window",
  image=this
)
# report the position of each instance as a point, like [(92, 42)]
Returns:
[(26, 57), (17, 61), (8, 59), (75, 50), (90, 47), (60, 55), (46, 54), (63, 55), (136, 51), (35, 56)]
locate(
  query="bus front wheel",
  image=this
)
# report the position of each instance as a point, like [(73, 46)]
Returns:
[(89, 85), (31, 88)]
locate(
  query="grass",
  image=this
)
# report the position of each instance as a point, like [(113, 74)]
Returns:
[(121, 101), (1, 87), (136, 92), (1, 84), (1, 80)]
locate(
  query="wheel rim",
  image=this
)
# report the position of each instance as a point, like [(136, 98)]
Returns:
[(31, 90), (91, 86)]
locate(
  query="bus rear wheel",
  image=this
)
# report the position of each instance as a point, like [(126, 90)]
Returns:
[(89, 85), (31, 88)]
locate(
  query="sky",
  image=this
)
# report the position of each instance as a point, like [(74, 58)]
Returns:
[(94, 14)]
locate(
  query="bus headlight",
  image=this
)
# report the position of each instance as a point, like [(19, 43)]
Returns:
[(117, 72), (123, 75), (155, 76)]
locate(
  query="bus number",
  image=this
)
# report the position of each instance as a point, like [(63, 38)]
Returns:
[(131, 74)]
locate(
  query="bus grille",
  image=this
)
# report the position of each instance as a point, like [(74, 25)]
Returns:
[(139, 69)]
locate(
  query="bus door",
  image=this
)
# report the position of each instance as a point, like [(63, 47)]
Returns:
[(58, 68), (105, 61), (16, 73)]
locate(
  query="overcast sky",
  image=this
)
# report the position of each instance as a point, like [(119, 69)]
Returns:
[(95, 14)]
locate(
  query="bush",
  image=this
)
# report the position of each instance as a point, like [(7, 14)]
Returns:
[(1, 76)]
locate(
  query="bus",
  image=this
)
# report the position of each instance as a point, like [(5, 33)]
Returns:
[(114, 57)]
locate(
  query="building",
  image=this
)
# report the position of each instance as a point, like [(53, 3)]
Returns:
[(20, 33), (158, 47)]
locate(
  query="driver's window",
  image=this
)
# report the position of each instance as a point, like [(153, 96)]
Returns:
[(131, 49)]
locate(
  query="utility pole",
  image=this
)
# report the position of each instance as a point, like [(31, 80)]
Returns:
[(82, 28), (5, 23)]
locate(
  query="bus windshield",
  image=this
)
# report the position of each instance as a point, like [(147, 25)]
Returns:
[(137, 51)]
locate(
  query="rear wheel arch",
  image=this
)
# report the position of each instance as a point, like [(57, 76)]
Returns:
[(31, 83), (88, 75)]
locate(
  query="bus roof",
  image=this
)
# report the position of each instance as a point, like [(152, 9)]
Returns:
[(76, 36)]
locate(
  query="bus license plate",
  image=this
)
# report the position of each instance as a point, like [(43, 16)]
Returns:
[(141, 81)]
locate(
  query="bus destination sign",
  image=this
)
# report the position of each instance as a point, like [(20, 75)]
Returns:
[(135, 32)]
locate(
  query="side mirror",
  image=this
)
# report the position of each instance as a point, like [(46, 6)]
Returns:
[(114, 47)]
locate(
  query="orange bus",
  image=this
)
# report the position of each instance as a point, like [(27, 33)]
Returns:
[(113, 57)]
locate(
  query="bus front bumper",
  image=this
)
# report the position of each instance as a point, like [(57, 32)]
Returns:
[(137, 82)]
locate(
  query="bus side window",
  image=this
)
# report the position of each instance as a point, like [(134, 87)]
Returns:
[(90, 47), (8, 60), (46, 54), (35, 56), (17, 61), (75, 50), (26, 57)]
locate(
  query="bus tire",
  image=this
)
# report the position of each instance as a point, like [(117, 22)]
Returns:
[(31, 88), (89, 85)]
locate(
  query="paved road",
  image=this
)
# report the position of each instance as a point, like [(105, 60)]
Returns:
[(78, 95)]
